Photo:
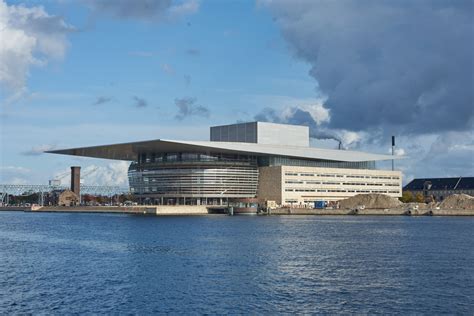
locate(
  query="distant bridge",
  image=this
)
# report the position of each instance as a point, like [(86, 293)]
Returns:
[(27, 189)]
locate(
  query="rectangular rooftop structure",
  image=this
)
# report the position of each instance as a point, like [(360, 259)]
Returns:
[(262, 133)]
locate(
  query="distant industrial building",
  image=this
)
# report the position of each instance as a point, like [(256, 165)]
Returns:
[(61, 198), (440, 188), (254, 161)]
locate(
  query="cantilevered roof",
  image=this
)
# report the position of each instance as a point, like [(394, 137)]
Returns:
[(130, 151)]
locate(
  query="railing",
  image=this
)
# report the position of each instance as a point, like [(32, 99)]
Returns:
[(22, 189)]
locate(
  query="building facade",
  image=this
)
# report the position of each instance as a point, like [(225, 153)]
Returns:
[(440, 188), (290, 185), (193, 177), (256, 160)]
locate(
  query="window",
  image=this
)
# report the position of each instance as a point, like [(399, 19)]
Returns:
[(172, 157)]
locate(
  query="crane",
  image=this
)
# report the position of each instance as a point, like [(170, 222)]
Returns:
[(88, 173), (57, 179)]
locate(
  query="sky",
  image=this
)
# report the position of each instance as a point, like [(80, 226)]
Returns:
[(92, 72)]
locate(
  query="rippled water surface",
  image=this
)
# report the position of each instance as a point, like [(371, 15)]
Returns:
[(96, 263)]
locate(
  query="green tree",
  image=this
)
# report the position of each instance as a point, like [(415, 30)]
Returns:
[(407, 197), (419, 198)]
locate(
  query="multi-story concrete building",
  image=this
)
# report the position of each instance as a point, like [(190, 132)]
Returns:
[(256, 160), (289, 185)]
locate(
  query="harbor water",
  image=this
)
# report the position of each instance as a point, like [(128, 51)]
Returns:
[(67, 263)]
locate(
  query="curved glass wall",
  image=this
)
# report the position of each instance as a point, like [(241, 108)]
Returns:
[(193, 175)]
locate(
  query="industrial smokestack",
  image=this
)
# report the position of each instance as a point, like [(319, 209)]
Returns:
[(76, 180), (393, 152)]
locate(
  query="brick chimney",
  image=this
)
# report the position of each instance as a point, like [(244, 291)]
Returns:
[(76, 180)]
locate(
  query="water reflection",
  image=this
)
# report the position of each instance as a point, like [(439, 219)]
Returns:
[(90, 263)]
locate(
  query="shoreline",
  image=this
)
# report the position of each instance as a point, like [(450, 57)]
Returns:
[(375, 212), (188, 210)]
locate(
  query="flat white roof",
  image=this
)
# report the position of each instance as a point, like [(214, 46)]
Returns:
[(130, 151)]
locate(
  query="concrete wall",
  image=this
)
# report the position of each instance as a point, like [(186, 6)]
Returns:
[(244, 132), (181, 210), (282, 134), (371, 212), (262, 133), (141, 209), (269, 184)]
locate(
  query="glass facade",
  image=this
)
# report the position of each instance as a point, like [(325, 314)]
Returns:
[(185, 176), (288, 161), (194, 175)]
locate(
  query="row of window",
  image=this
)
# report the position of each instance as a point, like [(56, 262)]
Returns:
[(287, 161), (343, 183), (341, 190), (183, 156), (340, 176)]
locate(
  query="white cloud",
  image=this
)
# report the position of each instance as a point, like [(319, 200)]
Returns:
[(317, 111), (19, 181), (452, 141), (349, 138), (111, 174), (399, 152), (38, 150), (30, 37), (15, 169), (114, 173), (311, 113), (183, 9), (379, 66), (14, 174)]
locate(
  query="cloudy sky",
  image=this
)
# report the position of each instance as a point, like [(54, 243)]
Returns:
[(90, 72)]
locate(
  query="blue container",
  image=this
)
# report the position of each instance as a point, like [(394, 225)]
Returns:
[(319, 204)]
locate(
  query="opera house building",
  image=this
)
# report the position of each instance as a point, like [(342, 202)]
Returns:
[(255, 161)]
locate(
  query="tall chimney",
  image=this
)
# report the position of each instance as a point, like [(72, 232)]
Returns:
[(76, 180), (393, 152)]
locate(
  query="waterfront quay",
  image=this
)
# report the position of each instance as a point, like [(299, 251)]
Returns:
[(190, 210)]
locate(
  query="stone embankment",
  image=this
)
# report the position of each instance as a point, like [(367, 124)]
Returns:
[(372, 212), (362, 204), (142, 209), (379, 204)]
